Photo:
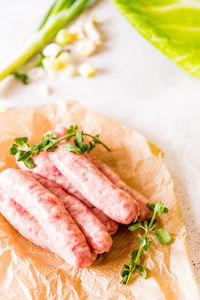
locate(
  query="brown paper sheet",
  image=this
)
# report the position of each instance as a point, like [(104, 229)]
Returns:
[(29, 272)]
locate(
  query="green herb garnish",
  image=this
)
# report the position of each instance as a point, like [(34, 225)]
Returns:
[(24, 152), (149, 226)]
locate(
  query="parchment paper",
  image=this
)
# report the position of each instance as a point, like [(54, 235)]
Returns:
[(29, 272)]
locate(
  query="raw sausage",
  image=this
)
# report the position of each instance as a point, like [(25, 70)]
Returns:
[(64, 235), (115, 179), (110, 174), (22, 221), (95, 186), (45, 168), (95, 232)]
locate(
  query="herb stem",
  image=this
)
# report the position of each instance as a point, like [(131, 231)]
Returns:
[(58, 141), (69, 136), (147, 230), (135, 264), (100, 142), (152, 220), (148, 226), (24, 152)]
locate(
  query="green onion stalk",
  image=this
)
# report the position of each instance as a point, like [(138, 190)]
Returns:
[(58, 16)]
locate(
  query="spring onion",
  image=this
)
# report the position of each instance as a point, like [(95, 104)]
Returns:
[(60, 14)]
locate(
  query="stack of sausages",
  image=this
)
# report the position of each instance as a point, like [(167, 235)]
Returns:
[(68, 203)]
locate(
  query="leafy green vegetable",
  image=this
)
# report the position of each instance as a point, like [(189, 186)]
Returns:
[(148, 226), (170, 25), (24, 152), (60, 14)]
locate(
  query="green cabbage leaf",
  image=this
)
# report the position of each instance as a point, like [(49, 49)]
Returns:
[(172, 26)]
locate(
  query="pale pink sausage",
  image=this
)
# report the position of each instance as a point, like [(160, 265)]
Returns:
[(95, 186), (25, 223), (22, 221), (95, 232), (45, 168), (110, 174), (111, 225), (64, 235)]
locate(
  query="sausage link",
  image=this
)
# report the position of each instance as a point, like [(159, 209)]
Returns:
[(95, 186), (45, 168), (64, 235), (95, 232), (23, 222), (115, 179), (110, 174)]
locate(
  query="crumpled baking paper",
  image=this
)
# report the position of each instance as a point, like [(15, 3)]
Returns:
[(30, 272)]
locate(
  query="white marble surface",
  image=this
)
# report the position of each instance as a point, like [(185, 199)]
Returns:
[(136, 85)]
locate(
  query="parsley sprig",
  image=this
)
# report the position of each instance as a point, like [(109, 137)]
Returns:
[(24, 152), (148, 226)]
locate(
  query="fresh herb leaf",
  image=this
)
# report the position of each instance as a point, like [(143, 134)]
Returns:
[(72, 148), (153, 227), (29, 163), (22, 155), (21, 141), (151, 206), (79, 141), (149, 227), (13, 150), (72, 129), (163, 236), (125, 270), (124, 280), (159, 208), (142, 271), (23, 152), (134, 254), (135, 226)]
